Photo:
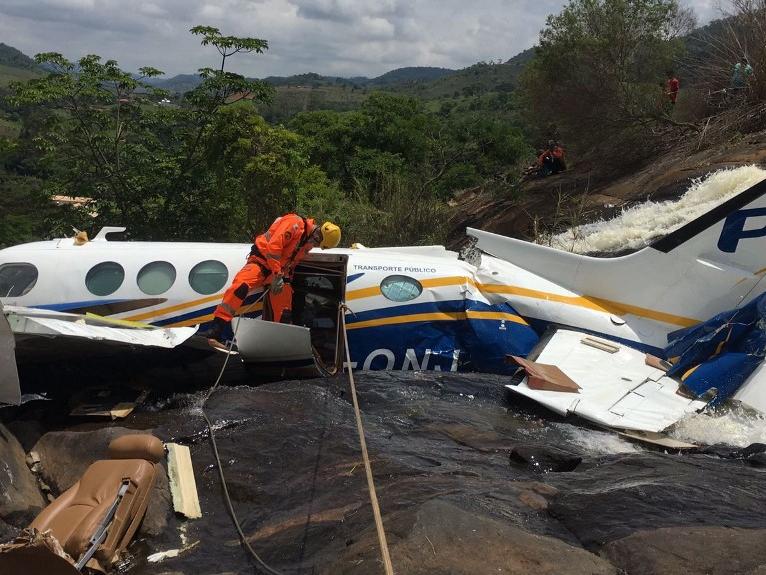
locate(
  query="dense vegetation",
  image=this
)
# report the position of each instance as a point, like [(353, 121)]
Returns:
[(228, 153), (210, 167)]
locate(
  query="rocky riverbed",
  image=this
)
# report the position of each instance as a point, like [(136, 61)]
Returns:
[(470, 481)]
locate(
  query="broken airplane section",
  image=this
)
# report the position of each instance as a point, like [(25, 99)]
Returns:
[(425, 308)]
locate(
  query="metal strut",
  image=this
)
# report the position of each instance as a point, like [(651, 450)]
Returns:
[(103, 528)]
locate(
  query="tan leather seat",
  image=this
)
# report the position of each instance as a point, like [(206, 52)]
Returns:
[(75, 516)]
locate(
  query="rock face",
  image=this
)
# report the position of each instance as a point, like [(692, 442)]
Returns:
[(544, 458), (626, 494), (65, 455), (594, 190), (20, 499), (691, 551), (452, 499), (439, 537)]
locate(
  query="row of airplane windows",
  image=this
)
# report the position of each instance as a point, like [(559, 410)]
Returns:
[(156, 278), (105, 278)]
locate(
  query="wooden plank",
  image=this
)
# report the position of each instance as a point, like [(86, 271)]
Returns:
[(118, 411), (183, 487)]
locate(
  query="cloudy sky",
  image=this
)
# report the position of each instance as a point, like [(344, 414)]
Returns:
[(333, 37)]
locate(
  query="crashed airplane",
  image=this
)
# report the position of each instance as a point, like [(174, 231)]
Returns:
[(604, 323)]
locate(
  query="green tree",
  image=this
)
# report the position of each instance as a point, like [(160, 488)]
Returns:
[(598, 67), (151, 167)]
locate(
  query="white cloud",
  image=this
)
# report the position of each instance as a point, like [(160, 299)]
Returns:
[(343, 37)]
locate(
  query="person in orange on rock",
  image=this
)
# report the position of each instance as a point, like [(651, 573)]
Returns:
[(672, 85), (272, 259), (551, 161)]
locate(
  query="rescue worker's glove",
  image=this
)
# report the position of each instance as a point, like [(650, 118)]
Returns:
[(277, 284), (217, 330)]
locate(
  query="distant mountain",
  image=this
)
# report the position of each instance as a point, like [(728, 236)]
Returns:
[(10, 56), (481, 78), (410, 75), (180, 83), (398, 77)]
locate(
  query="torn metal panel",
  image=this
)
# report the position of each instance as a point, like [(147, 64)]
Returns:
[(10, 390), (25, 322), (267, 342)]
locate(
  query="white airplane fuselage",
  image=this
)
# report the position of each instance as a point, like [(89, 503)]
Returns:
[(423, 307), (408, 308)]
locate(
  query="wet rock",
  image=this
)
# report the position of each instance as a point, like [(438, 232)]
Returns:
[(690, 551), (533, 500), (543, 489), (20, 499), (729, 452), (7, 532), (626, 494), (753, 449), (543, 458), (440, 537), (27, 431), (65, 455), (441, 464)]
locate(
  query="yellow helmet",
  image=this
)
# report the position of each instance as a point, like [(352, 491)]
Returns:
[(330, 235)]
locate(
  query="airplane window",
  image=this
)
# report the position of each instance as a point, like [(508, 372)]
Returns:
[(17, 279), (400, 288), (156, 278), (208, 277), (104, 278)]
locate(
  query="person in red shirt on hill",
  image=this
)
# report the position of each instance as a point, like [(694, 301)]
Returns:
[(272, 261), (551, 161), (672, 85)]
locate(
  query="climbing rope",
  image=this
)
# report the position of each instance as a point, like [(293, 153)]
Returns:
[(387, 566), (211, 434)]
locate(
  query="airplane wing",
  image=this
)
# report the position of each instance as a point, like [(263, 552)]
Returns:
[(617, 388)]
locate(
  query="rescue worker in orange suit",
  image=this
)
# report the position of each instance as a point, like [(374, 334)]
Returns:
[(672, 86), (272, 261)]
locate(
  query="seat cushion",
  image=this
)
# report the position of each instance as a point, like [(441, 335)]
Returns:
[(74, 517)]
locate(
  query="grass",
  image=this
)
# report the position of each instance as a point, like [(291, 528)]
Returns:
[(9, 74), (9, 128), (289, 100)]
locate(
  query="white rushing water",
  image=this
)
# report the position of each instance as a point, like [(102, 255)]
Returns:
[(637, 226), (596, 442), (734, 426)]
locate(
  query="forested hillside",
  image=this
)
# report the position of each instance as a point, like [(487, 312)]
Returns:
[(218, 156), (208, 165)]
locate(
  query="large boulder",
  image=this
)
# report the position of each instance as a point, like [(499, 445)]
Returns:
[(440, 537), (20, 499), (690, 551), (628, 493), (65, 455), (543, 458)]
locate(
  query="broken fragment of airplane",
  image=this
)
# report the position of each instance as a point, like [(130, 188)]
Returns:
[(595, 319)]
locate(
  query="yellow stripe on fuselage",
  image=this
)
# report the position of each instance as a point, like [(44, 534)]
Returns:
[(209, 317), (588, 302), (436, 316), (172, 308)]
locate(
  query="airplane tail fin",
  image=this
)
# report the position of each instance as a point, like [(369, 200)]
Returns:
[(712, 263)]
